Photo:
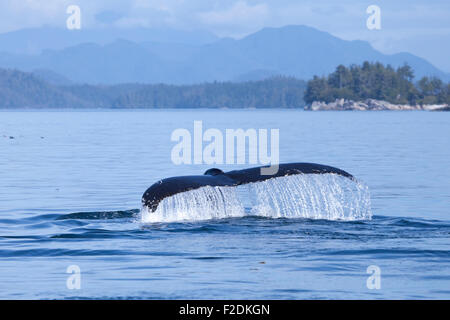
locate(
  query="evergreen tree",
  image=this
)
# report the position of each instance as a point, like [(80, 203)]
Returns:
[(376, 81)]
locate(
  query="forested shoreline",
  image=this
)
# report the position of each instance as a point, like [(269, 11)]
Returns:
[(24, 90), (354, 83)]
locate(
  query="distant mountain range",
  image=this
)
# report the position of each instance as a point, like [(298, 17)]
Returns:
[(35, 40), (143, 57)]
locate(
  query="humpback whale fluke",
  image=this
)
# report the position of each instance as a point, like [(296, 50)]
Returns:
[(217, 178)]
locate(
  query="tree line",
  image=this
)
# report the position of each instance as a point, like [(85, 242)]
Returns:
[(370, 80), (275, 92), (25, 90), (376, 81)]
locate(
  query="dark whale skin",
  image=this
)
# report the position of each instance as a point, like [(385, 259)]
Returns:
[(217, 178)]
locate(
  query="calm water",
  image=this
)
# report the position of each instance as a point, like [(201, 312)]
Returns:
[(71, 184)]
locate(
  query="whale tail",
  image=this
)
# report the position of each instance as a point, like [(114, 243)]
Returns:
[(217, 178)]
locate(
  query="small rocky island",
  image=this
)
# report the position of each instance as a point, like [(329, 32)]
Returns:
[(370, 105), (373, 86)]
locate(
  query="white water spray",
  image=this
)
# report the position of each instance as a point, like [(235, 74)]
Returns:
[(199, 204), (314, 196)]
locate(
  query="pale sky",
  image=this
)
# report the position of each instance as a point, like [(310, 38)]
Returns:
[(418, 27)]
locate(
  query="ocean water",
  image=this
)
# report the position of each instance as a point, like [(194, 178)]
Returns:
[(71, 184)]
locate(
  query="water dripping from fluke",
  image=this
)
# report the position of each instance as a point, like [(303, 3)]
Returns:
[(331, 196)]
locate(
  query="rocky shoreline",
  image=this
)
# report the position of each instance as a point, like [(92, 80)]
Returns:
[(371, 105)]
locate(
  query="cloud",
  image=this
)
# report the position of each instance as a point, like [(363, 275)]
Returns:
[(29, 13), (238, 19), (240, 12), (108, 16)]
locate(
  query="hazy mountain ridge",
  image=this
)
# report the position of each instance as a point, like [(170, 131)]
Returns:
[(25, 90), (296, 51), (36, 40)]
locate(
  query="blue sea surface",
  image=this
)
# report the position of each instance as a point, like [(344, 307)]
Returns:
[(70, 194)]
